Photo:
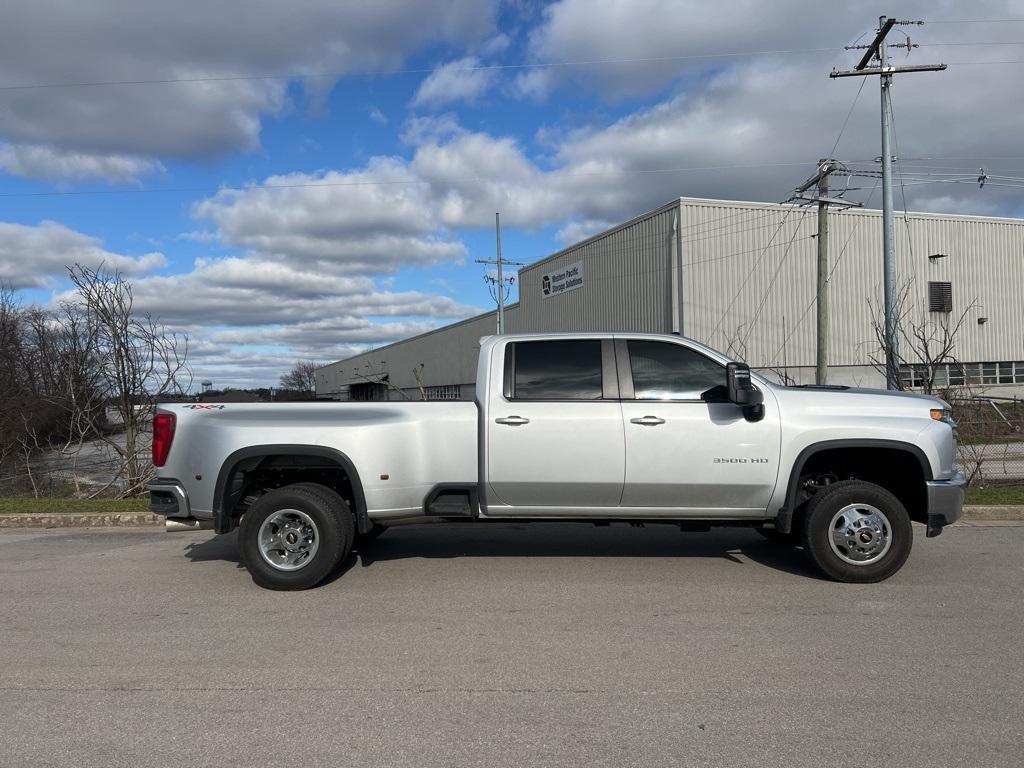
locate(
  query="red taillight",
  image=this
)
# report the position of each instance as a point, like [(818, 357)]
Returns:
[(163, 434)]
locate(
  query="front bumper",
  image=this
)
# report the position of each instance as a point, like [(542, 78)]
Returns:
[(945, 502)]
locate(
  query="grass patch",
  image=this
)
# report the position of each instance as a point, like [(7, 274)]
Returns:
[(1010, 495), (29, 505)]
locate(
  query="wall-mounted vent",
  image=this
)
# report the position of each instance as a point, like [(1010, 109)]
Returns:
[(940, 297)]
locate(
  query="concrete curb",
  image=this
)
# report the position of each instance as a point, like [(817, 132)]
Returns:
[(972, 514), (76, 520), (993, 513)]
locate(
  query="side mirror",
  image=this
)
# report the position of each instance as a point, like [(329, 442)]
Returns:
[(741, 390)]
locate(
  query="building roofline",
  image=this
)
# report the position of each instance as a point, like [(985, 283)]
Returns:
[(440, 328), (586, 241), (682, 201), (876, 211), (673, 203)]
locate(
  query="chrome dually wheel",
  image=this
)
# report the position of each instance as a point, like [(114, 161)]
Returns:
[(288, 539), (861, 534), (857, 531), (293, 537)]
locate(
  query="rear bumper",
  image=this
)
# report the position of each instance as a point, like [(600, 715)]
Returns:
[(945, 502), (167, 497)]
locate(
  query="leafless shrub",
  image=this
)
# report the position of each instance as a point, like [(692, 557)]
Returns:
[(136, 361), (302, 377)]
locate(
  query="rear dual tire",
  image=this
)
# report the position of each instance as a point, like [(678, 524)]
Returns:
[(296, 536)]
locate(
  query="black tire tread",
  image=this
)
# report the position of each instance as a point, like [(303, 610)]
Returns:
[(824, 504), (336, 528)]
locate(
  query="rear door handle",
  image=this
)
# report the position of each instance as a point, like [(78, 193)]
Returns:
[(512, 421), (647, 421)]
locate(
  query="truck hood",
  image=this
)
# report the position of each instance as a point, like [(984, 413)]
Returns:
[(860, 400)]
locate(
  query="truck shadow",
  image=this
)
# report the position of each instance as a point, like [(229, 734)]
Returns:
[(736, 545), (215, 548)]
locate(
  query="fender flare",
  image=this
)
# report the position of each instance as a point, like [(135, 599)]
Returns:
[(222, 504), (784, 520)]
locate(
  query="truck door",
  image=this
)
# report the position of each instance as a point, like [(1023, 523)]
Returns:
[(554, 429), (683, 452)]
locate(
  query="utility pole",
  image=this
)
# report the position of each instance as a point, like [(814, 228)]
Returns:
[(499, 281), (877, 50), (821, 359), (501, 276), (826, 167)]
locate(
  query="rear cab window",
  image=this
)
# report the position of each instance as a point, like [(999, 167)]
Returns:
[(555, 370)]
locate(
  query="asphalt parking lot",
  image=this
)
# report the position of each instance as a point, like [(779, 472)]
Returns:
[(509, 646)]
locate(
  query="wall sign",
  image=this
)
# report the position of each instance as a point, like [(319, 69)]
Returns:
[(563, 280)]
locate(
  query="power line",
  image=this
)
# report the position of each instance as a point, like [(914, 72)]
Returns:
[(753, 269), (771, 283), (418, 71), (835, 266), (476, 68), (903, 190), (847, 120), (959, 44), (386, 182), (974, 21)]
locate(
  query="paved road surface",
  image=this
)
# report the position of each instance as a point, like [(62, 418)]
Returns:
[(509, 646)]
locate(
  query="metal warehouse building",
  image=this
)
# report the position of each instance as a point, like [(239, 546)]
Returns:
[(741, 277)]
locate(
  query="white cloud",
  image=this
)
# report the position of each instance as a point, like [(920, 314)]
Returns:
[(250, 319), (576, 230), (430, 129), (363, 222), (666, 41), (453, 82), (495, 45), (160, 41), (40, 162), (33, 256), (251, 292)]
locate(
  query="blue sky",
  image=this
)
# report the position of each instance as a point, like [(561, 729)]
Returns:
[(284, 218)]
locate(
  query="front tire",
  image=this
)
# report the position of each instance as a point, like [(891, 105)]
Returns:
[(294, 537), (857, 532)]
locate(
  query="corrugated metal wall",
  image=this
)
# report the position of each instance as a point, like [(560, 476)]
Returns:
[(625, 281), (748, 275)]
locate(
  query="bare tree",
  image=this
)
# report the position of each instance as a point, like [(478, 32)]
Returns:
[(302, 377), (417, 373), (137, 362), (927, 346)]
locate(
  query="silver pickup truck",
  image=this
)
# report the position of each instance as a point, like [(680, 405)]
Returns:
[(595, 427)]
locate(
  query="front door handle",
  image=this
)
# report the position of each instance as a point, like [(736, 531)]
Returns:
[(512, 421), (647, 421)]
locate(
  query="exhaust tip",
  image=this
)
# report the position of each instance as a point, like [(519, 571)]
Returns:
[(174, 524)]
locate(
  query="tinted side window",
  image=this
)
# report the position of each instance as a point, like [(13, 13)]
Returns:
[(558, 370), (663, 371)]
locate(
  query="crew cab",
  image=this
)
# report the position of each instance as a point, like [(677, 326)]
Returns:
[(597, 427)]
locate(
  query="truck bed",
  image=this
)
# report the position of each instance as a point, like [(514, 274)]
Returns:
[(402, 449)]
